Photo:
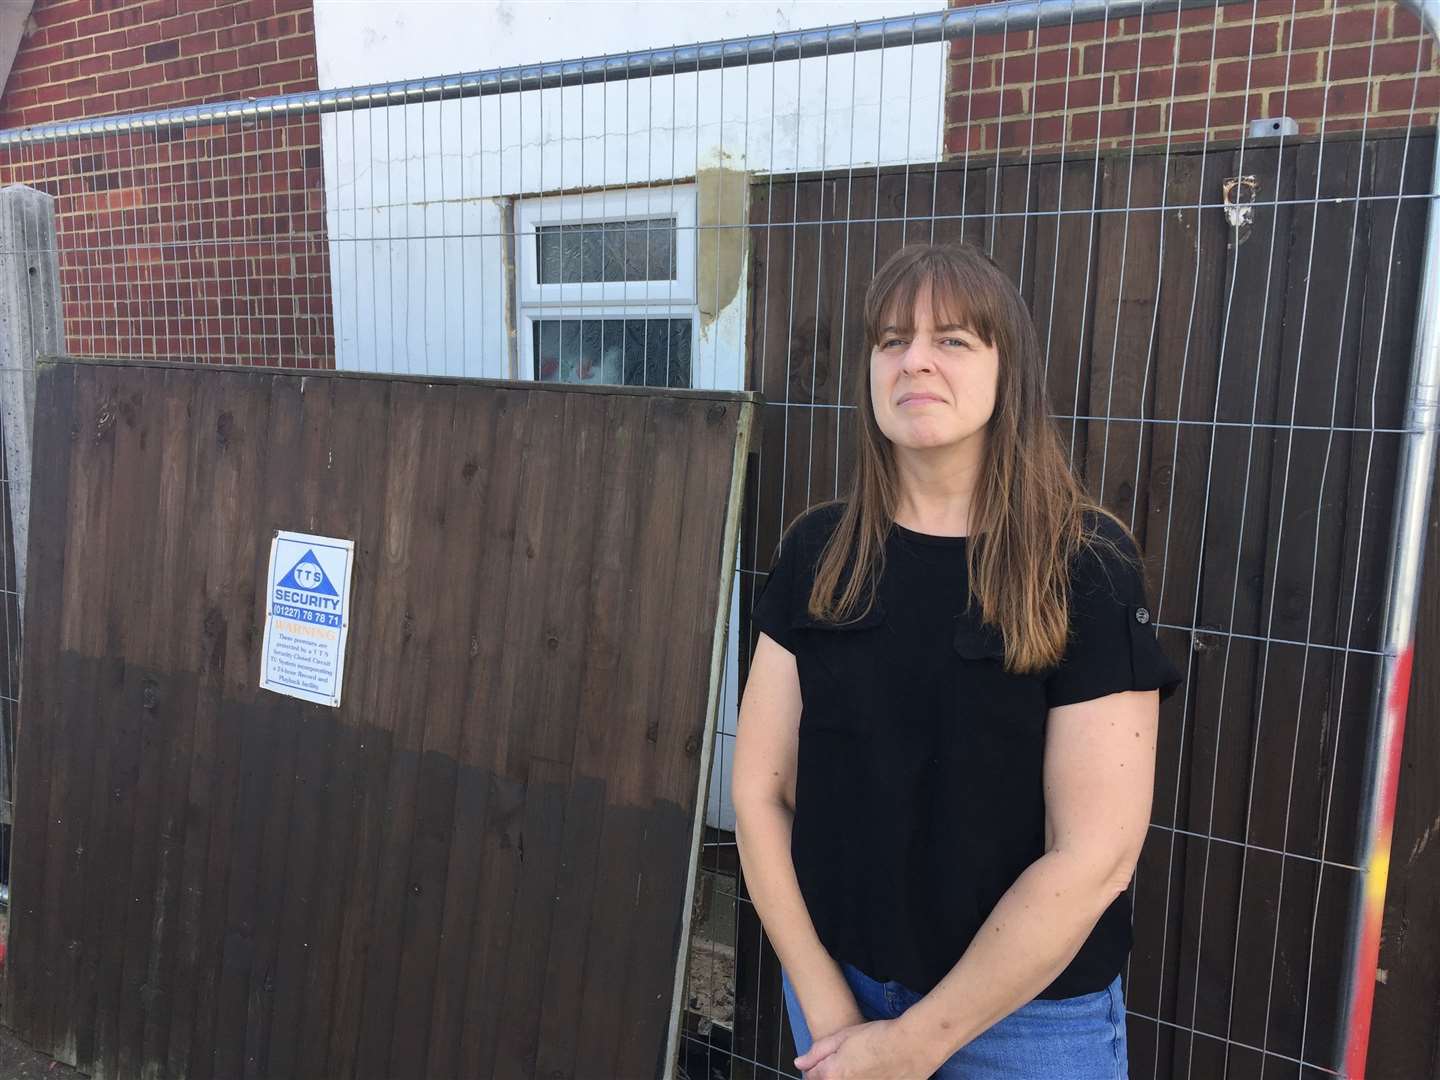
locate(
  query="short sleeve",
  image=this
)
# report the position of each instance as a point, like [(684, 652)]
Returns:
[(779, 610), (771, 611), (1112, 644)]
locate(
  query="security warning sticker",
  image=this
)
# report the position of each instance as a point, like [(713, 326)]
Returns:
[(307, 616)]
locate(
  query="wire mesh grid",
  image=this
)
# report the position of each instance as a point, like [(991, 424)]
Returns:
[(203, 242), (1226, 321)]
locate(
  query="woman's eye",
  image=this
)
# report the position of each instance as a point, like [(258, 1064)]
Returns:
[(892, 341), (955, 341)]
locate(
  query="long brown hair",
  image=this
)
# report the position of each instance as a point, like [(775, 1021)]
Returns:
[(1028, 513)]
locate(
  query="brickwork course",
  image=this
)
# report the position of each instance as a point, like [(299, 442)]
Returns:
[(197, 243), (1199, 75)]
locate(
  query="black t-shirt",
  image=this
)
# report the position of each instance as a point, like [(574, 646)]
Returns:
[(919, 794)]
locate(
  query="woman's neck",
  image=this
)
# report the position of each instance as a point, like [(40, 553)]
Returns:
[(935, 493)]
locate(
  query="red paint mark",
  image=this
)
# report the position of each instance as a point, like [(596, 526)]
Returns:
[(1357, 1041)]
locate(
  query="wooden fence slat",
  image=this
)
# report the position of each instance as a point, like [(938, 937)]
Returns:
[(436, 815), (69, 821), (166, 697), (598, 747), (1186, 373), (1065, 279), (183, 550), (294, 506), (24, 992), (232, 421), (501, 798), (494, 421), (123, 694), (413, 539), (308, 1022)]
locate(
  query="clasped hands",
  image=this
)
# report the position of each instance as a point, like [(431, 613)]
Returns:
[(872, 1050)]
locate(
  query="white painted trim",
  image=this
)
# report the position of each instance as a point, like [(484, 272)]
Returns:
[(626, 204)]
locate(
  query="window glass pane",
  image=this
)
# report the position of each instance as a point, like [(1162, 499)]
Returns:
[(625, 352), (639, 250)]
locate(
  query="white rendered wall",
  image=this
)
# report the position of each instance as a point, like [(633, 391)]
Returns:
[(418, 198), (396, 176)]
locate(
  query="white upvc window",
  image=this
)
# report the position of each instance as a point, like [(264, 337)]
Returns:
[(605, 286)]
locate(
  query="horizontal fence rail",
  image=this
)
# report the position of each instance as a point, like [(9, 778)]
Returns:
[(908, 30)]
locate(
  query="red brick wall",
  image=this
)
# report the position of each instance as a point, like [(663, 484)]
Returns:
[(205, 243), (1242, 62)]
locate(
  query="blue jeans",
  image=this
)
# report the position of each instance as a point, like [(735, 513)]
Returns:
[(1074, 1038)]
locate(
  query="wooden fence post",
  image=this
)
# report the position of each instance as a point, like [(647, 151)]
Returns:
[(31, 325)]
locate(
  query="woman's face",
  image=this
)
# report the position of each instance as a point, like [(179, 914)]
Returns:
[(932, 386)]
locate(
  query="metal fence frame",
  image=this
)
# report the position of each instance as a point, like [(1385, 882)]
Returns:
[(1416, 476), (1414, 486)]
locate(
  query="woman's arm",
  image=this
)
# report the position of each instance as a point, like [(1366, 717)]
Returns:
[(766, 747), (1099, 779)]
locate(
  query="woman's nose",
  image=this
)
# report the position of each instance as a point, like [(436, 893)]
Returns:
[(919, 357)]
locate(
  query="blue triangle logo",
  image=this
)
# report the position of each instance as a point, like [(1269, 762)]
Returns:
[(310, 576)]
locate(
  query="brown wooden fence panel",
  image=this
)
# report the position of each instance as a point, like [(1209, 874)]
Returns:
[(479, 863), (1238, 397)]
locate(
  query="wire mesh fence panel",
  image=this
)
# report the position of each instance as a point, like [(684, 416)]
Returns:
[(203, 242), (1216, 215)]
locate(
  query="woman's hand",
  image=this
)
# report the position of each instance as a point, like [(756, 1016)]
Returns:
[(877, 1050)]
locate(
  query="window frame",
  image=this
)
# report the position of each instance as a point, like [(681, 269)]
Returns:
[(596, 208), (665, 299)]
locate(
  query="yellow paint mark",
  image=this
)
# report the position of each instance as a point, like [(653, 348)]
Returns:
[(721, 204)]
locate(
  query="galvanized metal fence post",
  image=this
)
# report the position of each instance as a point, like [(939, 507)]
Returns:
[(1414, 484)]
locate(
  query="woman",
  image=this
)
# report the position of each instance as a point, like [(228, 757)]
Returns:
[(946, 746)]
